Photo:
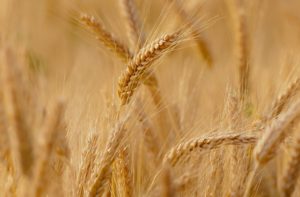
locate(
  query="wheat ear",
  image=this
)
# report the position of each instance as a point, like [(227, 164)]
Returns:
[(18, 129), (125, 174), (87, 164), (102, 171), (107, 38), (291, 174), (137, 39), (137, 67), (51, 132), (201, 43), (207, 143), (267, 146), (283, 99), (269, 143)]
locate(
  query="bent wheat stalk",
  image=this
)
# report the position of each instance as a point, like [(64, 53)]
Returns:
[(207, 143)]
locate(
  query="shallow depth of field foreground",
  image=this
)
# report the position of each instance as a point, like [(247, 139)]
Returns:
[(138, 98)]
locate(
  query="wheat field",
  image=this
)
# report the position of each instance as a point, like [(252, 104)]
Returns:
[(149, 98)]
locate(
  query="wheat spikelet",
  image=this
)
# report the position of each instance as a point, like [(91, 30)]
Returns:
[(133, 23), (87, 164), (136, 68), (283, 98), (106, 38), (291, 174), (18, 128), (267, 146), (207, 143), (201, 43), (51, 132), (102, 171)]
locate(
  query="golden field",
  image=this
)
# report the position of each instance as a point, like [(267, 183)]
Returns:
[(149, 98)]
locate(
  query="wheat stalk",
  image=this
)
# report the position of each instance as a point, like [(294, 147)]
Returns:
[(87, 164), (136, 68), (51, 132), (107, 38), (207, 143), (17, 125), (102, 171)]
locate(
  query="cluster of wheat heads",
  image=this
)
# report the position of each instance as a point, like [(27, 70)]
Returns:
[(152, 146)]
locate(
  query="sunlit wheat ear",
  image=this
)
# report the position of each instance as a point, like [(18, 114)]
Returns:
[(291, 174), (207, 143), (273, 136), (102, 172), (18, 129), (137, 67), (87, 164), (201, 43), (106, 38), (46, 150), (133, 24), (282, 100)]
